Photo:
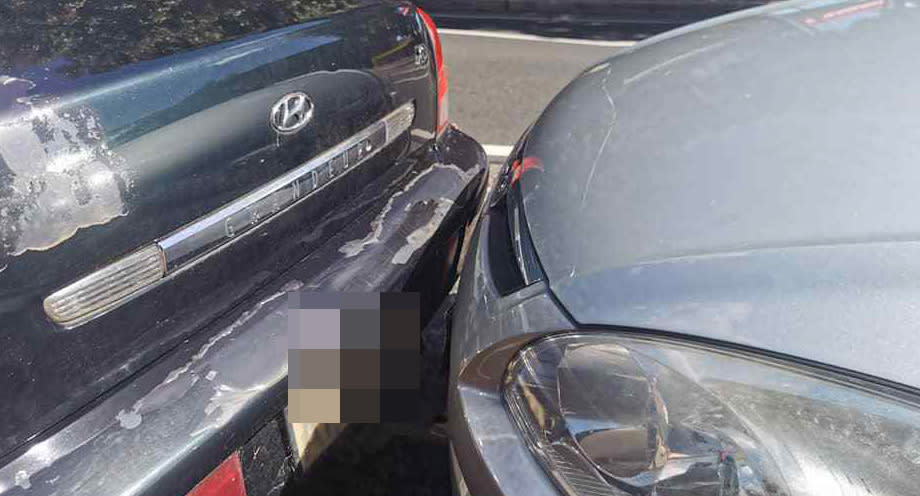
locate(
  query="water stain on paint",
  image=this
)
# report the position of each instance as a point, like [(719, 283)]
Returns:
[(57, 174)]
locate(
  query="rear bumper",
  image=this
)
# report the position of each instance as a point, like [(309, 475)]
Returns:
[(168, 426)]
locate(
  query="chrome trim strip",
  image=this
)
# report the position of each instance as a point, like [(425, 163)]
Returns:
[(220, 226)]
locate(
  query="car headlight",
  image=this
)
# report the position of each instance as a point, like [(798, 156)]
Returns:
[(615, 415)]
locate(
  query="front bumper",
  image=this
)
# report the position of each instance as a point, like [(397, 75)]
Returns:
[(165, 428), (489, 457)]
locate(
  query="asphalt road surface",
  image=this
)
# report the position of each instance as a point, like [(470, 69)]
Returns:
[(500, 82)]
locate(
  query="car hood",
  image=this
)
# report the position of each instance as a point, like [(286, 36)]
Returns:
[(752, 179)]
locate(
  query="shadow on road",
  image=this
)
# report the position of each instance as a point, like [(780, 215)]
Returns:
[(379, 459)]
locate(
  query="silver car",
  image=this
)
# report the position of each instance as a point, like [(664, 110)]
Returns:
[(700, 272)]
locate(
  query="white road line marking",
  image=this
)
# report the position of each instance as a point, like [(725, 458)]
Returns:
[(530, 37), (497, 151)]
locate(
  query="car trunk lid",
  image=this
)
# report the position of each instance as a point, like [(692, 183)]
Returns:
[(133, 134)]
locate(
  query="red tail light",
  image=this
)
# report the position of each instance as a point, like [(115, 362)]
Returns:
[(443, 101), (225, 480)]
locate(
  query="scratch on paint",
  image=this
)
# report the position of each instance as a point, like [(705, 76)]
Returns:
[(420, 236), (692, 258), (355, 247), (683, 56), (178, 381), (600, 149)]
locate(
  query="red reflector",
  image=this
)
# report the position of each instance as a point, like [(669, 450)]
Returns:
[(225, 480)]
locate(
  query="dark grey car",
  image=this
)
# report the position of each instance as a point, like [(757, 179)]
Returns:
[(700, 273), (172, 175)]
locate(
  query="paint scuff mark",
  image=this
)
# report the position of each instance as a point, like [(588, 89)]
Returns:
[(420, 236), (226, 401), (128, 420), (460, 178), (22, 479), (354, 247), (57, 173), (180, 380)]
